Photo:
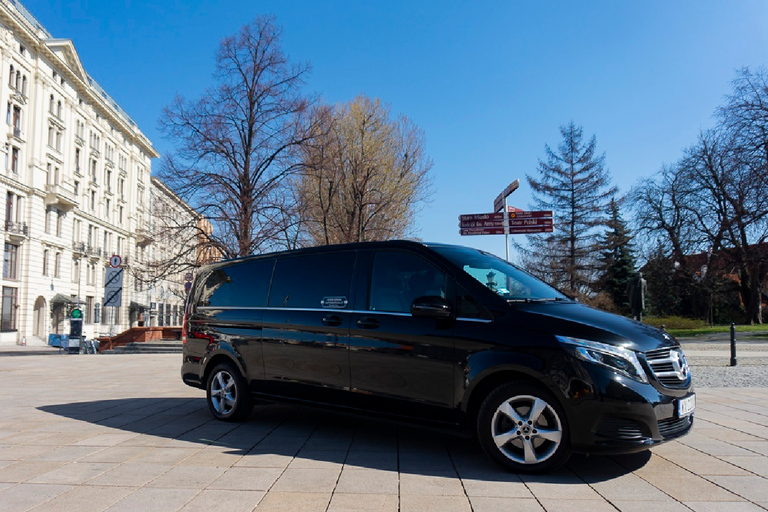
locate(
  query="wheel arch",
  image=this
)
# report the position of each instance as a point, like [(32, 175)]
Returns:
[(486, 384)]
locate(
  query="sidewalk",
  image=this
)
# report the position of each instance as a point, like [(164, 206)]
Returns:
[(122, 433)]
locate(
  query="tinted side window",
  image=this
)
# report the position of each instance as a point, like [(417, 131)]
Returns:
[(468, 307), (240, 285), (400, 277), (313, 281)]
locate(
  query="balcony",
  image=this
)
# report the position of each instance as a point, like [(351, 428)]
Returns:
[(93, 252), (17, 231), (78, 247), (144, 236), (61, 196)]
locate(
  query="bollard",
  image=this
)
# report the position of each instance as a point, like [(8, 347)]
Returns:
[(733, 344)]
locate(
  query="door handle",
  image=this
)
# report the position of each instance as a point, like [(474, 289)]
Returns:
[(368, 323), (332, 320)]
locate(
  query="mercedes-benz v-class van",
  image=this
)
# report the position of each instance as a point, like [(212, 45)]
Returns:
[(438, 333)]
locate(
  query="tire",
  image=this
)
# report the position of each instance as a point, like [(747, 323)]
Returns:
[(523, 427), (227, 394)]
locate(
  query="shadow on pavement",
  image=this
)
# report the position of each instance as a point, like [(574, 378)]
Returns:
[(291, 431)]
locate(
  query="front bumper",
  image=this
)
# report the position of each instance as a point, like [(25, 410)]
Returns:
[(621, 415)]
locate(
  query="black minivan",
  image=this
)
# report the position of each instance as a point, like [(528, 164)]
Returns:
[(434, 332)]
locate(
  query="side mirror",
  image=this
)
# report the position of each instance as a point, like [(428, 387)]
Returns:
[(432, 306)]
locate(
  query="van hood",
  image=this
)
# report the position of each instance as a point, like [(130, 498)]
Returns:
[(579, 321)]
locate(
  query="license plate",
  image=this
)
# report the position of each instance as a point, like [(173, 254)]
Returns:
[(685, 406)]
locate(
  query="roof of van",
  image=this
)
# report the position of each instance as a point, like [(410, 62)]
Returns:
[(335, 247)]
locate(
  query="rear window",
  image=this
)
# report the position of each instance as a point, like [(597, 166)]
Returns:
[(243, 284), (313, 281)]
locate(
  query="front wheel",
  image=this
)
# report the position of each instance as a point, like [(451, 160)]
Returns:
[(227, 393), (522, 427)]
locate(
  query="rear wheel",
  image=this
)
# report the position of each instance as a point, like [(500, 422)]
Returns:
[(522, 426), (227, 393)]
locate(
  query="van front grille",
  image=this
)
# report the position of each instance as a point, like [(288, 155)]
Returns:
[(669, 367)]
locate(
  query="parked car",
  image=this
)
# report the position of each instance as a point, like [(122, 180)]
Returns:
[(439, 333)]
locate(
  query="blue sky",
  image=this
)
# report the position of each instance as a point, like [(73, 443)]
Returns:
[(489, 82)]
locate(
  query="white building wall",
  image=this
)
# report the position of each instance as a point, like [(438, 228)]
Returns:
[(109, 138)]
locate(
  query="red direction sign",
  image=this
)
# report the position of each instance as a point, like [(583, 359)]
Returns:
[(481, 231), (516, 222), (535, 214), (481, 216), (528, 230)]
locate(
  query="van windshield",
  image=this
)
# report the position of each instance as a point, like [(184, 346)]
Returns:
[(503, 278)]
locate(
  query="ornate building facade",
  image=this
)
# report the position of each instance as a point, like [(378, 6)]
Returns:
[(75, 174)]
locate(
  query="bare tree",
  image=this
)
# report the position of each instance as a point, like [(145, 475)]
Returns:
[(239, 141), (575, 184), (365, 174)]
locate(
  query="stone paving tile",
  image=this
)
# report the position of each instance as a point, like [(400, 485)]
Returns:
[(156, 500), (23, 452), (567, 505), (22, 497), (74, 473), (371, 503), (26, 470), (752, 488), (417, 462), (496, 488), (211, 456), (85, 498), (115, 454), (656, 506), (433, 484), (419, 503), (68, 453), (264, 459), (312, 459), (187, 477), (372, 460), (162, 455), (754, 463), (307, 480), (485, 504), (246, 479), (130, 475), (294, 502), (559, 486), (367, 481), (105, 440), (681, 484), (740, 506), (224, 501)]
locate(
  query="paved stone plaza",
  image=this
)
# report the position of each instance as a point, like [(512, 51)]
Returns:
[(122, 433)]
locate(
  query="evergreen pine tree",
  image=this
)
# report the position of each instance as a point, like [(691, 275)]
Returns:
[(617, 261), (574, 183)]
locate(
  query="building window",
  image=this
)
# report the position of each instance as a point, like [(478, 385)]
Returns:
[(8, 317), (75, 270), (97, 313), (46, 255), (10, 77), (57, 266), (15, 160), (88, 310), (10, 261), (48, 218), (160, 314)]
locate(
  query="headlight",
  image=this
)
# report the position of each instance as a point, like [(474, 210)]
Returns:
[(618, 359)]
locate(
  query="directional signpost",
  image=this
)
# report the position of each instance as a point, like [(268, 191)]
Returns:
[(512, 223)]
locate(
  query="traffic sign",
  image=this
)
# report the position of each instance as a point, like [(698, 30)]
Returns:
[(188, 276), (187, 286), (515, 222), (76, 313), (115, 261), (113, 287)]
